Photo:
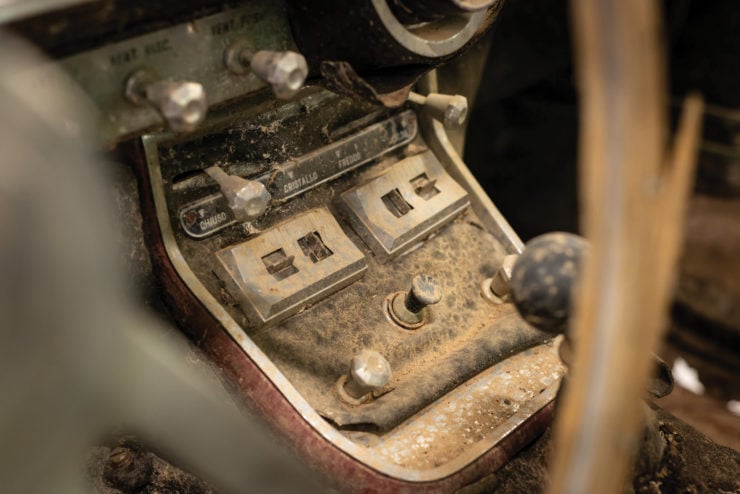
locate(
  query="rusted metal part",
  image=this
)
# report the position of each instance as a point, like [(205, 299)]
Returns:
[(393, 306), (341, 78), (407, 309), (130, 467)]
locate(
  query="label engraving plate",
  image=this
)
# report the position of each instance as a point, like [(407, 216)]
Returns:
[(206, 216), (319, 166)]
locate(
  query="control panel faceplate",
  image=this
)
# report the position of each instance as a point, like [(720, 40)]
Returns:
[(192, 51), (310, 286)]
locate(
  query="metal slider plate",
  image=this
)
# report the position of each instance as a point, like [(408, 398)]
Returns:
[(403, 205), (290, 266), (210, 214), (324, 164)]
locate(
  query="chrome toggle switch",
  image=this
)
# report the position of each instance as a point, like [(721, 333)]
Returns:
[(369, 371), (182, 103), (407, 309), (248, 199), (284, 71), (451, 110), (496, 289)]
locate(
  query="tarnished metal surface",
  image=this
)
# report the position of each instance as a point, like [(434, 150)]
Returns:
[(206, 216), (279, 272), (308, 171), (285, 71), (102, 72), (406, 203), (298, 175), (485, 407), (306, 354), (463, 335)]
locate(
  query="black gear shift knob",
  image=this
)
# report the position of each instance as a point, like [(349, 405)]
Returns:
[(543, 278)]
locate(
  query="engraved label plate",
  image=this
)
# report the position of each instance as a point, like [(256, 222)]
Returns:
[(206, 216), (310, 170), (290, 266), (324, 164), (397, 209)]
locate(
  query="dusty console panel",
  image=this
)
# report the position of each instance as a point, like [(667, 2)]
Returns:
[(334, 246)]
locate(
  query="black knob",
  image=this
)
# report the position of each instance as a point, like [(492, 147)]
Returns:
[(407, 309), (543, 279), (425, 290)]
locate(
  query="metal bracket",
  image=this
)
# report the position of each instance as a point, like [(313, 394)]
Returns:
[(284, 269), (403, 205)]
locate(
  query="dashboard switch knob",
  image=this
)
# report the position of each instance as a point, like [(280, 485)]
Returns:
[(451, 110), (182, 104), (496, 289), (284, 71), (248, 199), (369, 371), (407, 309)]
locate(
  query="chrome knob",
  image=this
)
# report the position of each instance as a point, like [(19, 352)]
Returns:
[(368, 372), (451, 110), (285, 71), (182, 104), (496, 289), (248, 199)]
